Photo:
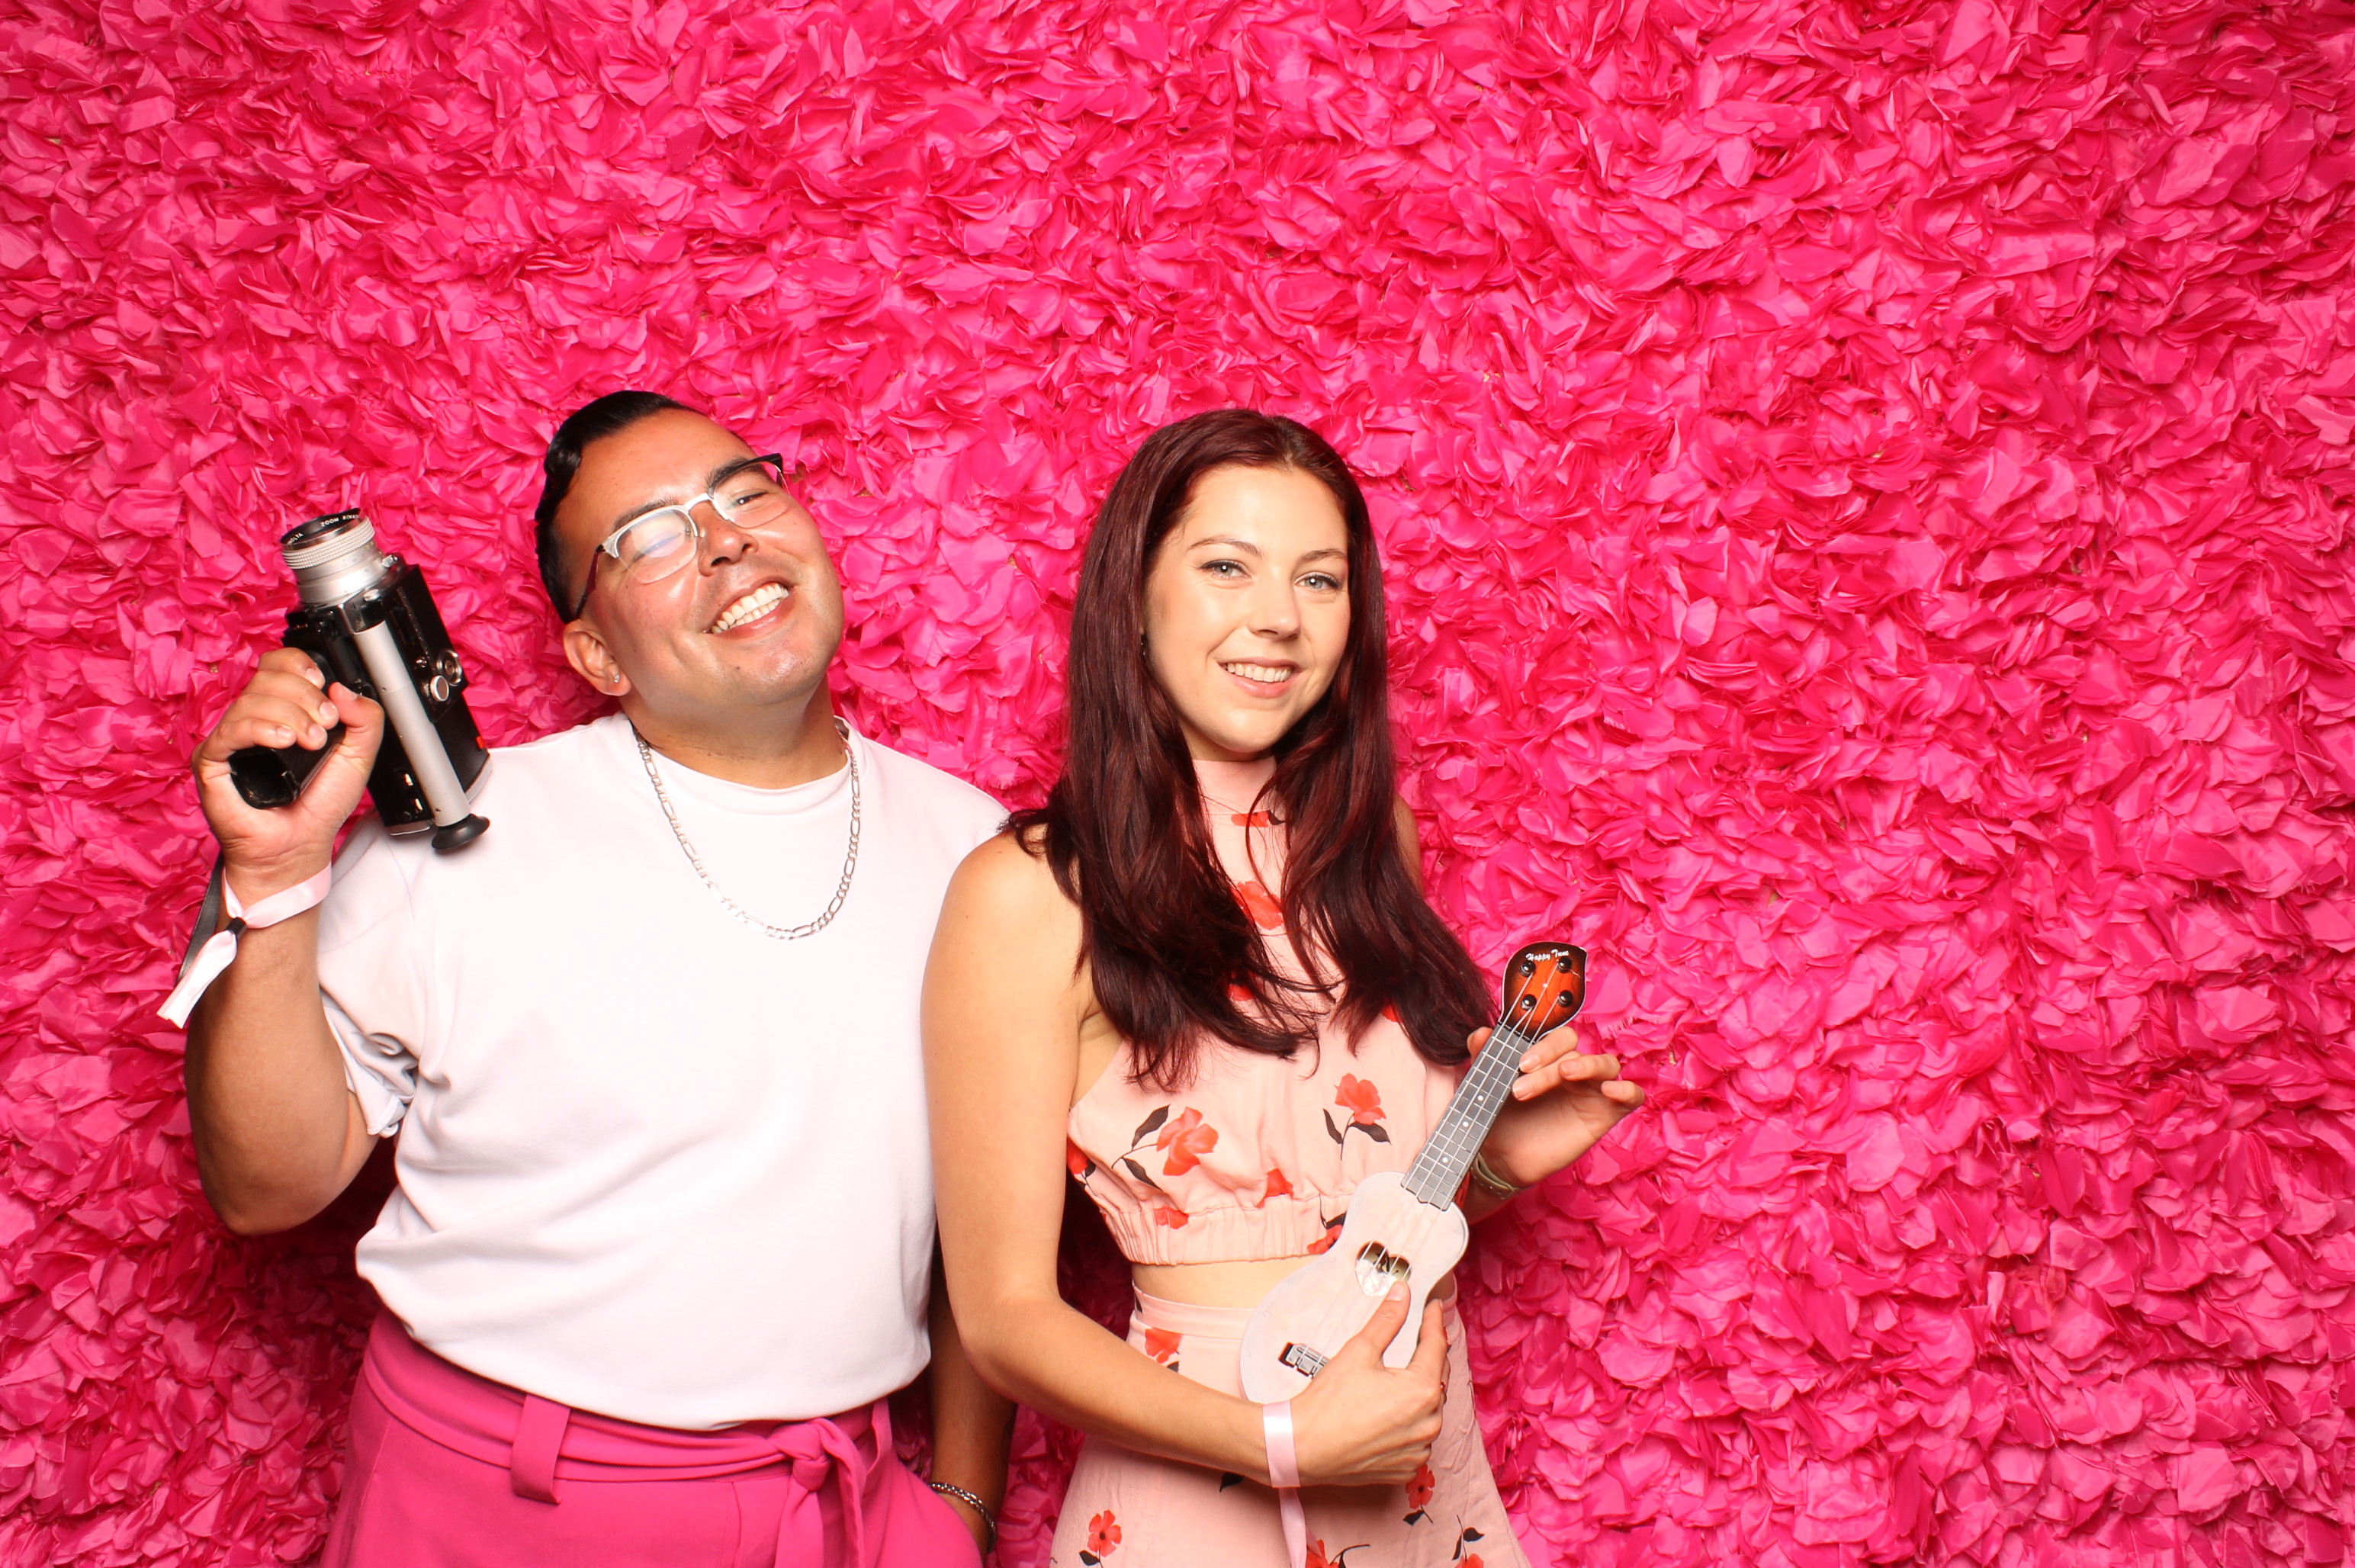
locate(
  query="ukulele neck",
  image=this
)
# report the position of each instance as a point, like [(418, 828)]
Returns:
[(1439, 1171)]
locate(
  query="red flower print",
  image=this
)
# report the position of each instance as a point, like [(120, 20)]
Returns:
[(1277, 1187), (1362, 1100), (1104, 1534), (1417, 1490), (1252, 818), (1174, 1218), (1239, 993), (1077, 1158), (1162, 1345), (1474, 1562), (1260, 905), (1184, 1141), (1317, 1558), (1389, 1011)]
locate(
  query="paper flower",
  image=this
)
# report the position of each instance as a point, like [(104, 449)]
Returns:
[(1864, 503)]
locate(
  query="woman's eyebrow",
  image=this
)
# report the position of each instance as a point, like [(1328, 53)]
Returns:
[(1228, 540)]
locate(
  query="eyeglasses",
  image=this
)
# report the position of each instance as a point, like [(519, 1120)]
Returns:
[(658, 544)]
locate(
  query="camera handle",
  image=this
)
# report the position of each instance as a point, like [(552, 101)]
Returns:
[(455, 824)]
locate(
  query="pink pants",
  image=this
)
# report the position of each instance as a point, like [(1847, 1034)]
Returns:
[(449, 1470)]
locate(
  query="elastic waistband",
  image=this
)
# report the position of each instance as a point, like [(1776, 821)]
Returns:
[(1191, 1319)]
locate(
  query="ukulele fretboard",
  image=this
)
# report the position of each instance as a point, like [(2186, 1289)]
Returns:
[(1441, 1168)]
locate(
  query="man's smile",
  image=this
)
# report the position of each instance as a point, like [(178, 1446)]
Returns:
[(750, 607)]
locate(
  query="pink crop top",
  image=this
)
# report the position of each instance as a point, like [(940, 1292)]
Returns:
[(1257, 1156)]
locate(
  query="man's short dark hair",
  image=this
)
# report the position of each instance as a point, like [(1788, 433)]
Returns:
[(592, 422)]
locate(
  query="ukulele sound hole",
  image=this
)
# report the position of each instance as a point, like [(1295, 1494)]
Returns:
[(1379, 1268)]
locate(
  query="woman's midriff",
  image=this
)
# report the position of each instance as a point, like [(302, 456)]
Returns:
[(1239, 1284)]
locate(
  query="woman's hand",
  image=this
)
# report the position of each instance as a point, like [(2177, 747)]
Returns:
[(1363, 1423), (1562, 1103)]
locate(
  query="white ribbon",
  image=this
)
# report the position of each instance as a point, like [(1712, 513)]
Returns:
[(214, 947)]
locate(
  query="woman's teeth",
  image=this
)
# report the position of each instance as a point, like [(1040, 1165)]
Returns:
[(1266, 674), (760, 600)]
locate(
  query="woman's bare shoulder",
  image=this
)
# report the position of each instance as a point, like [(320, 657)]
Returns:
[(1008, 879)]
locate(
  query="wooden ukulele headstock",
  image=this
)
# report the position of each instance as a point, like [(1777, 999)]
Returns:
[(1545, 985)]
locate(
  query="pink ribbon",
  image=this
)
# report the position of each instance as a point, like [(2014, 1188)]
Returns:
[(1283, 1474)]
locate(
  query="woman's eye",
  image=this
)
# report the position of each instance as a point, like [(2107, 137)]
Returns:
[(1321, 583), (1230, 569)]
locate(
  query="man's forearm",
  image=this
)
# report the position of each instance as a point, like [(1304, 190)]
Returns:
[(972, 1424), (278, 1131)]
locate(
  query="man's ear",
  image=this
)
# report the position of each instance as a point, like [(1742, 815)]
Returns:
[(586, 652)]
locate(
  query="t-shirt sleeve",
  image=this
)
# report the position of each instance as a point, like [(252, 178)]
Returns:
[(369, 978), (984, 818)]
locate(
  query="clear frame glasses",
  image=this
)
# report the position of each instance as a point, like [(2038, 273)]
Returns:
[(663, 542)]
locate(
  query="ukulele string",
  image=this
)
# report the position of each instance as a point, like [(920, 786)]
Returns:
[(1341, 1319), (1452, 1130)]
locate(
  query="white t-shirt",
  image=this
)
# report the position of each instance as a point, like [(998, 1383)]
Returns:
[(654, 1163)]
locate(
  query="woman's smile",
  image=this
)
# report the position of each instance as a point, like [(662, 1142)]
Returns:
[(1247, 608)]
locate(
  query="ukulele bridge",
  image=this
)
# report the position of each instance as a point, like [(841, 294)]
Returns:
[(1302, 1359)]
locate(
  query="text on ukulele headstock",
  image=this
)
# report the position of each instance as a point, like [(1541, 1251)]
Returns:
[(1545, 985)]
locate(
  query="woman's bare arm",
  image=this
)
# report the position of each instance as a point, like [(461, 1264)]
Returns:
[(1005, 1002)]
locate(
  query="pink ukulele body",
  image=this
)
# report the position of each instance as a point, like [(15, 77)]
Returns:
[(1408, 1227)]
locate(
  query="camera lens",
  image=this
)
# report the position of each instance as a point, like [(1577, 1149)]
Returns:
[(332, 557)]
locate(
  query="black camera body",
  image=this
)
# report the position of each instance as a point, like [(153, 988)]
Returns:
[(368, 620)]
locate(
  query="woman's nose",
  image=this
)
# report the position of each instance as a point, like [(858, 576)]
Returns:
[(1274, 611)]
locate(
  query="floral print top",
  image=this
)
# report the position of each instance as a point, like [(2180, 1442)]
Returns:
[(1256, 1155)]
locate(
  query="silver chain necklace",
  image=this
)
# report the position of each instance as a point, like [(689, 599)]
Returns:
[(849, 860)]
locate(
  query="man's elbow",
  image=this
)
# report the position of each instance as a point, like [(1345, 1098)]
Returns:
[(247, 1212)]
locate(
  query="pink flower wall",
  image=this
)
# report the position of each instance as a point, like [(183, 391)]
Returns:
[(1866, 494)]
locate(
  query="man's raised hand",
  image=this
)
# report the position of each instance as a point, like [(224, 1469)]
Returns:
[(287, 703)]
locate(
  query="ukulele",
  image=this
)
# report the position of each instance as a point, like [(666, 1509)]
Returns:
[(1408, 1227)]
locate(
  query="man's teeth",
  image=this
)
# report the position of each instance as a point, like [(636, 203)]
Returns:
[(1271, 674), (753, 603)]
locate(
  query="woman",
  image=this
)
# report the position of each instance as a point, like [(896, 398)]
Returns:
[(1204, 981)]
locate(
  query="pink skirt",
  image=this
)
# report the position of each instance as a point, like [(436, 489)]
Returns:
[(450, 1470), (1127, 1510)]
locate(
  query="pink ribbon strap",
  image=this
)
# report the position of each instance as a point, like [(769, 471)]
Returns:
[(211, 954), (1283, 1474)]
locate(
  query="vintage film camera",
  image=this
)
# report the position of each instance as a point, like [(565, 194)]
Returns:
[(368, 620)]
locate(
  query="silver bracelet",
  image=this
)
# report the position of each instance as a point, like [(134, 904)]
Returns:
[(988, 1520), (1485, 1177)]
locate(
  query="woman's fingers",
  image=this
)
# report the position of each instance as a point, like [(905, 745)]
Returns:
[(1598, 1069), (1381, 1329), (1431, 1350)]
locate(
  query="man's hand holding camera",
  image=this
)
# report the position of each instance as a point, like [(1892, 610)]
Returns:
[(288, 703)]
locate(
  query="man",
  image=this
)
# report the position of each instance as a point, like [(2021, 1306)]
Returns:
[(663, 1236)]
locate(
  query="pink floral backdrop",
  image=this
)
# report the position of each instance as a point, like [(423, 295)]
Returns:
[(1866, 494)]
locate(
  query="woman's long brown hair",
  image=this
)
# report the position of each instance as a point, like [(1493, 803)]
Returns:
[(1173, 956)]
